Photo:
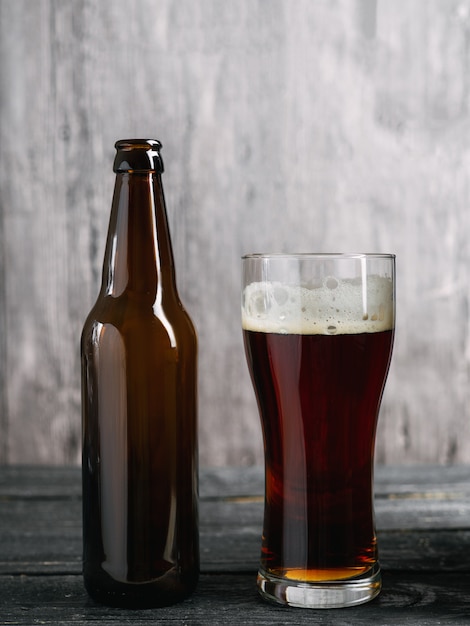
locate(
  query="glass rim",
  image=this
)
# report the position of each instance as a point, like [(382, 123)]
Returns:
[(317, 255)]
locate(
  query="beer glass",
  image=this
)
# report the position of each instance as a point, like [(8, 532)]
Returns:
[(318, 332)]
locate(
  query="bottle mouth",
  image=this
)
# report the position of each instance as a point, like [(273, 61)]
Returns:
[(143, 144), (138, 156)]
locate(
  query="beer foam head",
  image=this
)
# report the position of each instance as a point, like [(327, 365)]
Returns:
[(336, 306)]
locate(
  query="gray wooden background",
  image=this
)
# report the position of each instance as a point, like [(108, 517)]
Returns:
[(293, 125)]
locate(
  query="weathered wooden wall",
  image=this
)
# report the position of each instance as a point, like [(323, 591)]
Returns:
[(287, 125)]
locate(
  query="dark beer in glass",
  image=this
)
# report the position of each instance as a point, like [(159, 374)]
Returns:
[(318, 332)]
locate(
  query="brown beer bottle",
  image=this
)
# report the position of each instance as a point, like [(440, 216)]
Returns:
[(138, 346)]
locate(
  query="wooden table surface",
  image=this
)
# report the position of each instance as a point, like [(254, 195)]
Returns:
[(423, 521)]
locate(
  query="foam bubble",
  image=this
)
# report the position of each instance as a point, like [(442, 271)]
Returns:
[(337, 306)]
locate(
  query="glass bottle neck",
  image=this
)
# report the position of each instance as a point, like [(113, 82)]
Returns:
[(139, 257)]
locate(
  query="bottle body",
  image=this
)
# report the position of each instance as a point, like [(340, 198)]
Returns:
[(139, 403)]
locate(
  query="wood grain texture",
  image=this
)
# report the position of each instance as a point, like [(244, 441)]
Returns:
[(426, 565), (422, 516), (233, 599), (332, 126)]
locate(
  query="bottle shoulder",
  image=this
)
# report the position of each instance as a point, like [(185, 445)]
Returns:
[(135, 317)]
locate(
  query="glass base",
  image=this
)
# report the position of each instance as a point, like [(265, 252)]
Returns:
[(325, 594)]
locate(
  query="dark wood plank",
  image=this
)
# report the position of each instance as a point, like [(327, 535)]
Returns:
[(46, 537), (40, 482), (409, 479), (426, 563), (390, 481), (40, 525), (406, 599)]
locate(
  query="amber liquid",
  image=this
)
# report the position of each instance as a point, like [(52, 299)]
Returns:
[(318, 398), (140, 523)]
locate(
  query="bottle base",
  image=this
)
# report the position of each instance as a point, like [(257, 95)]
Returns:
[(166, 591), (325, 594)]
